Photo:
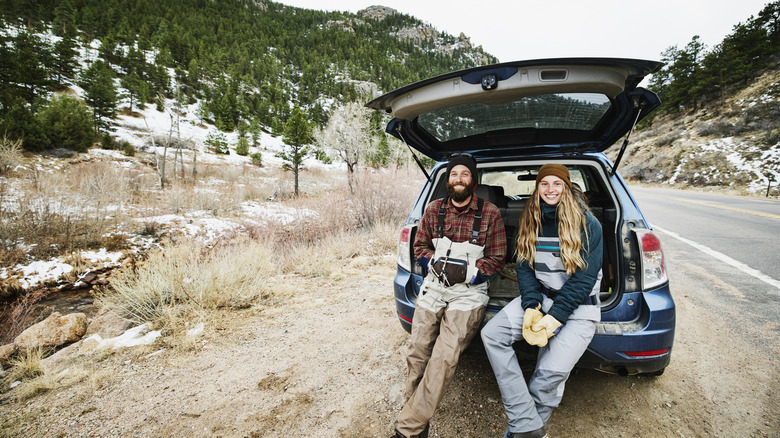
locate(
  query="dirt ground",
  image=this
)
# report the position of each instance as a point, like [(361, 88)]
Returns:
[(327, 359)]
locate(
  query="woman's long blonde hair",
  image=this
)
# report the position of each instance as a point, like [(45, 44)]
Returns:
[(571, 223)]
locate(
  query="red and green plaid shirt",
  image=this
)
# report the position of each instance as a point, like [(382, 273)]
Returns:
[(457, 227)]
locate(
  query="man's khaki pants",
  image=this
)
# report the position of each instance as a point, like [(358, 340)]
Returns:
[(438, 338)]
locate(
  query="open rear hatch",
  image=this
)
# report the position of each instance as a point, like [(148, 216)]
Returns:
[(541, 107)]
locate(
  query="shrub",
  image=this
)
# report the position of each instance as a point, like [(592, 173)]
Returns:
[(20, 122), (189, 279), (67, 123), (128, 149), (107, 142), (242, 147), (257, 159), (10, 154), (218, 143), (323, 157)]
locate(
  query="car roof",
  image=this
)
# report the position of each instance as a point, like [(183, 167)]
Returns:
[(515, 109)]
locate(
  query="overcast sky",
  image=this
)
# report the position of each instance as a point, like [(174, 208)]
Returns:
[(521, 29)]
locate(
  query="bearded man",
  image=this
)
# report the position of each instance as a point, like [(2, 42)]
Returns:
[(460, 242)]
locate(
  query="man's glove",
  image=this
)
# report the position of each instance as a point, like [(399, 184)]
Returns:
[(478, 279), (474, 276), (544, 329), (532, 316), (423, 262)]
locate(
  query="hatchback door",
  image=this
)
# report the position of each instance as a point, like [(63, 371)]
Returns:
[(541, 107)]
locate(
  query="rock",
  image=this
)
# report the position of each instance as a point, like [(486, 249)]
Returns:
[(54, 331), (108, 324), (377, 12), (80, 348), (61, 356), (89, 277), (6, 351)]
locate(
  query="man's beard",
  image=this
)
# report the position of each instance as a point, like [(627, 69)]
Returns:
[(459, 195)]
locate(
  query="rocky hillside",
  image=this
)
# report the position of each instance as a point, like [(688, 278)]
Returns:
[(732, 143), (421, 33)]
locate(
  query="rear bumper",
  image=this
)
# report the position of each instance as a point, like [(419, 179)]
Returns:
[(405, 297), (643, 345), (624, 347)]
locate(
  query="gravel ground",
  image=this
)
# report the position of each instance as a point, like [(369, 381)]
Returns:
[(327, 359)]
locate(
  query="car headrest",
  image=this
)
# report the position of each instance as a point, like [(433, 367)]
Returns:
[(494, 194)]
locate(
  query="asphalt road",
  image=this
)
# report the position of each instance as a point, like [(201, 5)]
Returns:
[(743, 228), (727, 244)]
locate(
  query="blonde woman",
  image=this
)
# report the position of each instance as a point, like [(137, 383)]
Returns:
[(559, 255)]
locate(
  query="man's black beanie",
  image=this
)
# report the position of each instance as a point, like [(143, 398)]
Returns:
[(464, 160)]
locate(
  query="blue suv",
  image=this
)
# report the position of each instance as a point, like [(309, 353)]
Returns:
[(513, 118)]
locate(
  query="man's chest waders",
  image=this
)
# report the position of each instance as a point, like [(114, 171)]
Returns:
[(455, 262), (449, 313)]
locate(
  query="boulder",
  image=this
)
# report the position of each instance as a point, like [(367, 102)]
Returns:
[(75, 350), (108, 324), (53, 332)]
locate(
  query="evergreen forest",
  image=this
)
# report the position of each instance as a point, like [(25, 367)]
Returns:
[(249, 63)]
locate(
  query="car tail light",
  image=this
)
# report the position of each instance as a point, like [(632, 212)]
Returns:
[(646, 353), (653, 269), (405, 248)]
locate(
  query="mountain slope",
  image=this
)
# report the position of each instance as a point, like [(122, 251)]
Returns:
[(734, 143)]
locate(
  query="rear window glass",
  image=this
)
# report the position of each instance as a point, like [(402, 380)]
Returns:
[(523, 182), (570, 111)]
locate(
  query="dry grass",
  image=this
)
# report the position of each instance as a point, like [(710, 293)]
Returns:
[(57, 210), (10, 154), (189, 281), (37, 379), (54, 212), (24, 366)]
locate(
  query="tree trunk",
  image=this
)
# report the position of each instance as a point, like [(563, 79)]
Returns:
[(351, 177), (295, 171), (162, 166), (194, 163)]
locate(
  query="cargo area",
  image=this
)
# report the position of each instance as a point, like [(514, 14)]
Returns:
[(509, 188)]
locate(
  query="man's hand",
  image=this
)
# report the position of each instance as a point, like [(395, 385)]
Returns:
[(532, 316), (544, 329)]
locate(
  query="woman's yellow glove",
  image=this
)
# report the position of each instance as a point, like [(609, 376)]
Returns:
[(532, 316), (545, 328)]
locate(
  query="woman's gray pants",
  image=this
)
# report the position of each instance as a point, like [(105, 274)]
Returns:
[(528, 407)]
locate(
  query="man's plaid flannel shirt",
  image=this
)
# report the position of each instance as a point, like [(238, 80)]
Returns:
[(457, 227)]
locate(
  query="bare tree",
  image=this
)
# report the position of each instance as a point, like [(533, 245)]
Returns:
[(347, 134)]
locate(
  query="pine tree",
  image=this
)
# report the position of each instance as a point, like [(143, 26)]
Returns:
[(100, 94), (64, 23), (65, 63), (242, 147), (134, 86), (297, 136), (218, 142), (32, 61), (224, 114)]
